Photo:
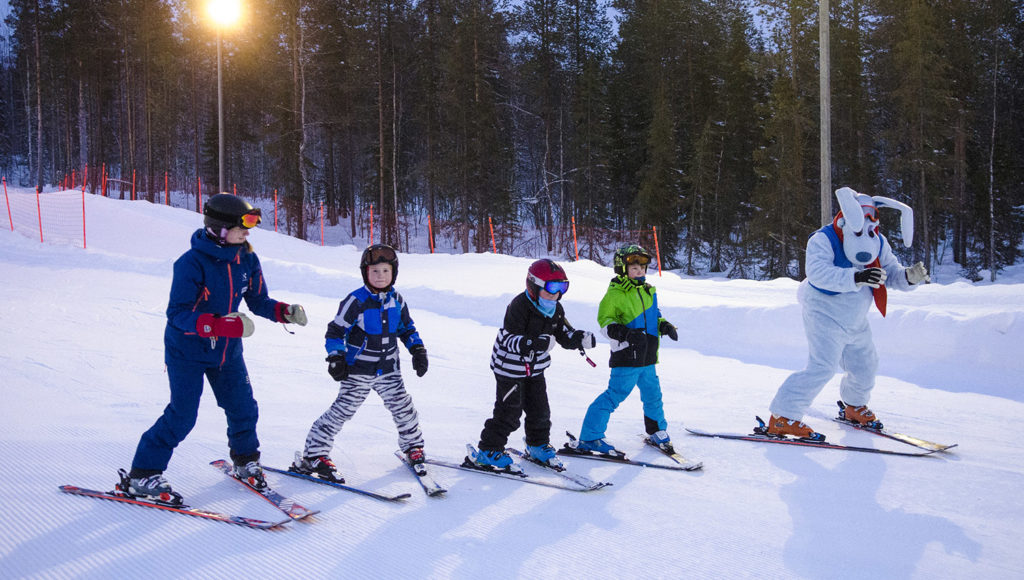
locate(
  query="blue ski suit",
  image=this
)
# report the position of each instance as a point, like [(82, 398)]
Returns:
[(207, 279)]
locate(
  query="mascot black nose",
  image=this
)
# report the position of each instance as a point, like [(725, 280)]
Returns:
[(863, 257)]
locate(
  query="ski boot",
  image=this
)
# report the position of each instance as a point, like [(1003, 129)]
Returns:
[(152, 488), (320, 467), (661, 440), (783, 427), (597, 447), (251, 473), (416, 458), (493, 461), (544, 455), (860, 415)]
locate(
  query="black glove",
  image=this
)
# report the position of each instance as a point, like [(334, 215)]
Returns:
[(617, 331), (666, 329), (419, 359), (873, 277), (637, 337), (582, 339), (529, 346), (337, 366), (356, 336)]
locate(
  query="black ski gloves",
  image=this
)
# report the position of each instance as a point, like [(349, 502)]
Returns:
[(617, 331), (337, 367), (529, 346), (667, 329), (582, 339), (419, 359)]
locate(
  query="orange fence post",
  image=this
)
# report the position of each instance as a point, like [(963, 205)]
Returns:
[(321, 223), (39, 212), (430, 233), (167, 190), (575, 244), (275, 210), (103, 178), (657, 250), (491, 225), (85, 177), (83, 216), (371, 224), (8, 204), (133, 185), (70, 184)]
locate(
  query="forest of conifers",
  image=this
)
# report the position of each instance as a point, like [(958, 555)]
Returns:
[(699, 118)]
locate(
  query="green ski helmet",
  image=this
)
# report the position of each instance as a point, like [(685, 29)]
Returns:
[(630, 254)]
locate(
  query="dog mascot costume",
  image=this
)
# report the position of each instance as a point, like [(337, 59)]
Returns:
[(849, 266)]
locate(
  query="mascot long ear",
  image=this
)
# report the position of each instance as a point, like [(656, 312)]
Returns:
[(852, 212), (906, 217)]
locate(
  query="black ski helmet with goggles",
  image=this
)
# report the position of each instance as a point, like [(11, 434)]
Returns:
[(548, 275), (629, 255), (379, 254), (224, 211)]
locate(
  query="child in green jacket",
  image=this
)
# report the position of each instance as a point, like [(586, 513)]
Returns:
[(630, 318)]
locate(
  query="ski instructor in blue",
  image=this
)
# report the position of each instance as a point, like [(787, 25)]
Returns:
[(849, 265), (203, 337)]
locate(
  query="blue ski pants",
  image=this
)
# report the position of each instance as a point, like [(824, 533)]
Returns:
[(231, 387), (620, 385)]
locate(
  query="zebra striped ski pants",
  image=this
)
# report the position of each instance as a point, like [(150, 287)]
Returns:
[(351, 394)]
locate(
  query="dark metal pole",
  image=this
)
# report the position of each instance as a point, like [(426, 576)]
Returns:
[(220, 117)]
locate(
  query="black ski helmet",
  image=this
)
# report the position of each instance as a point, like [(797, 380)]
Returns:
[(379, 254), (224, 211), (540, 273), (630, 254)]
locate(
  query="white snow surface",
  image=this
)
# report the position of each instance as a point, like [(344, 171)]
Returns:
[(83, 376)]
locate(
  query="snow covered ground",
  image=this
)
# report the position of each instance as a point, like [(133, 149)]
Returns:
[(83, 376)]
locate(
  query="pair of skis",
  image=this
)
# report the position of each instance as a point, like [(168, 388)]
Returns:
[(290, 508), (761, 434), (566, 480)]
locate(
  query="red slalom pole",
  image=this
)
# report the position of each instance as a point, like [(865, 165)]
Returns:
[(7, 199), (491, 225), (430, 234), (275, 210), (657, 250), (321, 223), (83, 216)]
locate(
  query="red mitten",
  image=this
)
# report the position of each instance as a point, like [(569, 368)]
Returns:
[(234, 325)]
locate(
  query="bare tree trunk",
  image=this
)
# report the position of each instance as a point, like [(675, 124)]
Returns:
[(83, 138), (39, 103), (195, 137), (991, 175), (301, 88)]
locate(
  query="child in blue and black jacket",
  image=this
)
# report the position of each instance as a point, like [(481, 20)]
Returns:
[(362, 354), (203, 337)]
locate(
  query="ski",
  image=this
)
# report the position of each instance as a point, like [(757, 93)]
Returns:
[(468, 465), (581, 480), (671, 453), (336, 485), (430, 485), (803, 442), (119, 496), (286, 505), (908, 439), (569, 451)]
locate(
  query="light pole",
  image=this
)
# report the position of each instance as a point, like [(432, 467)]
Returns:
[(225, 14)]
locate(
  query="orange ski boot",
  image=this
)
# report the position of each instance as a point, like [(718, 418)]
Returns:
[(782, 426), (860, 415)]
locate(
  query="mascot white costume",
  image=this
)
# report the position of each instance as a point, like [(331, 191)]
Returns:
[(849, 265)]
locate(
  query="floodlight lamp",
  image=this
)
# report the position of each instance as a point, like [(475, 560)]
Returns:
[(225, 13)]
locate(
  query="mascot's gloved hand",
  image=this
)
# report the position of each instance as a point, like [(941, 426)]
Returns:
[(293, 313), (667, 329), (917, 274), (873, 277), (337, 366), (234, 325), (419, 359)]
